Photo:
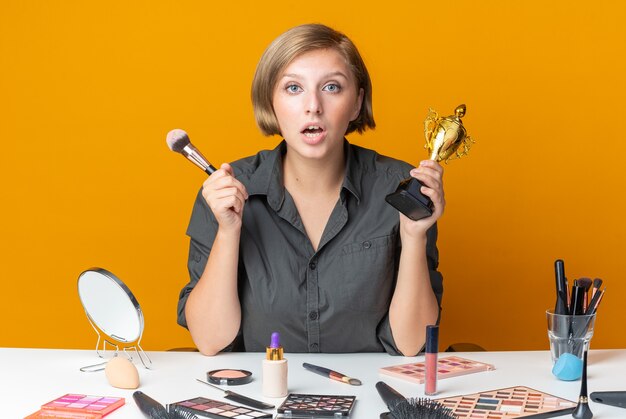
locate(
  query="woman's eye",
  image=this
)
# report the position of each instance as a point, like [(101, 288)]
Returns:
[(333, 88), (292, 88)]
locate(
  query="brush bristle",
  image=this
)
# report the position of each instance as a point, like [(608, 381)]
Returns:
[(585, 282), (420, 408), (177, 140)]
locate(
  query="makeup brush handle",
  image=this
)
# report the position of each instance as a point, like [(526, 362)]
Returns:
[(612, 398), (561, 288), (592, 304), (577, 306), (390, 396)]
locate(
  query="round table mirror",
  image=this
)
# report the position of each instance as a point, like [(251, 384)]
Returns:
[(112, 310)]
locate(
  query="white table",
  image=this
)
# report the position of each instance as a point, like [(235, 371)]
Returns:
[(32, 377)]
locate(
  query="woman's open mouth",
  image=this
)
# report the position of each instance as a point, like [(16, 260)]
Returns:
[(312, 131)]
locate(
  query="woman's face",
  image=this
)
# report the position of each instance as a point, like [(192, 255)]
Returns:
[(314, 100)]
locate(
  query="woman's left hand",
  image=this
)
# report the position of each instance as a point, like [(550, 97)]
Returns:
[(430, 173)]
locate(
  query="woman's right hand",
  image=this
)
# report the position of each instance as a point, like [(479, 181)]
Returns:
[(226, 197)]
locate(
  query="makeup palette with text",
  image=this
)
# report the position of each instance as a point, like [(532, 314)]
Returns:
[(316, 405), (512, 402), (203, 407), (79, 406), (451, 366)]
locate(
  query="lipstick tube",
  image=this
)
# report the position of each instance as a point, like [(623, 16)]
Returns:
[(432, 352)]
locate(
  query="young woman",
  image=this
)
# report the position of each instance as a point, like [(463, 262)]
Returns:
[(299, 239)]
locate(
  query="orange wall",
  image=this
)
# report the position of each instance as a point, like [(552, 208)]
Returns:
[(89, 90)]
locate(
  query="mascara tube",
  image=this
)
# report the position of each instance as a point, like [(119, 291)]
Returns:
[(432, 351)]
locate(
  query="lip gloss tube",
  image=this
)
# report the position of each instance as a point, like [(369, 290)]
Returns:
[(432, 351)]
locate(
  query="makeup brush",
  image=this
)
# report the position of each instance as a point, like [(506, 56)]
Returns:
[(582, 409), (597, 283), (402, 408), (155, 410), (577, 306), (611, 398), (595, 302), (586, 283), (561, 288), (178, 141)]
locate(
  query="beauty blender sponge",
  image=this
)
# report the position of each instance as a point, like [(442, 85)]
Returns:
[(568, 367), (121, 373)]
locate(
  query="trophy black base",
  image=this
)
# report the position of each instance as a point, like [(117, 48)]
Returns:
[(410, 201)]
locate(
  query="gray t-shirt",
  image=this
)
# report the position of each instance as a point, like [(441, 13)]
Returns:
[(333, 300)]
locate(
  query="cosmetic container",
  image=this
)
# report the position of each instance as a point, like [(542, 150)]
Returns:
[(432, 351), (274, 369)]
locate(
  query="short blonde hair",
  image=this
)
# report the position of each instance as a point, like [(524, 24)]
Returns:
[(291, 44)]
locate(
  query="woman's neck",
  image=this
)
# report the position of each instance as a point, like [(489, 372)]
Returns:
[(314, 176)]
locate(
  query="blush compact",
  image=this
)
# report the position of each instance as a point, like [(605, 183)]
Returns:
[(229, 377)]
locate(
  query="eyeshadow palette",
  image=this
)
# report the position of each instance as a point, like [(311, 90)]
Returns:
[(512, 402), (79, 406), (447, 367), (203, 407), (316, 406)]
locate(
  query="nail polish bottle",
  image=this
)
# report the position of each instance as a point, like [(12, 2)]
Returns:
[(274, 369)]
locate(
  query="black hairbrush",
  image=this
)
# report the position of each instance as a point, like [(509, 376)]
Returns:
[(389, 395), (421, 408), (155, 410), (413, 408)]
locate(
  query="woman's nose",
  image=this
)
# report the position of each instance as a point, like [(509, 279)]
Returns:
[(314, 104)]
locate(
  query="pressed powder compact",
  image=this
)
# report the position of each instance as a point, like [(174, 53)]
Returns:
[(229, 377)]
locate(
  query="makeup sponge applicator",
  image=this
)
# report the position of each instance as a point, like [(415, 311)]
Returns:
[(568, 367), (122, 373)]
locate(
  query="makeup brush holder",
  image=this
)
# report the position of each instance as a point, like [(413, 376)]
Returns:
[(569, 334)]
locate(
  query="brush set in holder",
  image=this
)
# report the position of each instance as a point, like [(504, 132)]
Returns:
[(571, 323)]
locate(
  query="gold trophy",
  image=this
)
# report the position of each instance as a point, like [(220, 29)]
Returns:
[(446, 139)]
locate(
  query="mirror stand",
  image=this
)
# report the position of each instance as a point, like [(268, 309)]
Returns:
[(119, 344), (115, 315)]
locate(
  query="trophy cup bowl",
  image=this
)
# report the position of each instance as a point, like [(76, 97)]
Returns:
[(446, 139)]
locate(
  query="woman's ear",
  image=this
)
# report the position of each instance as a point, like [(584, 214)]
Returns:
[(358, 104)]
